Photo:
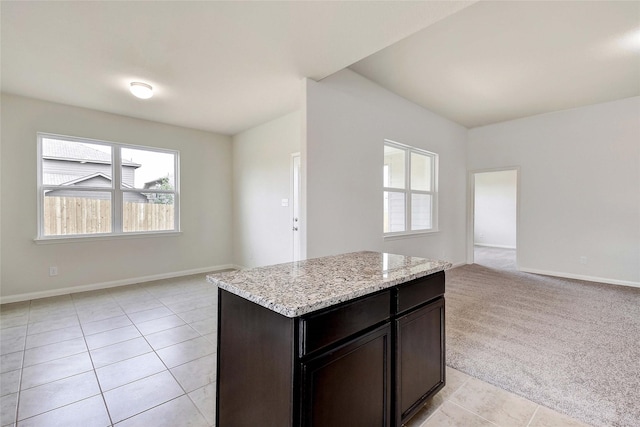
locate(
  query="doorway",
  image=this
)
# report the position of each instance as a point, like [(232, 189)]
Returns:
[(494, 218)]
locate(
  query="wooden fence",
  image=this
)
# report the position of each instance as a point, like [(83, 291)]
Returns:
[(80, 215)]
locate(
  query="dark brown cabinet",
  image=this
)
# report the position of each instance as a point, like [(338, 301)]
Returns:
[(420, 357), (372, 361), (350, 385), (255, 365)]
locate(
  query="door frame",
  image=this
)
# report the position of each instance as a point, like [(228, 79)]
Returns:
[(471, 193), (296, 252)]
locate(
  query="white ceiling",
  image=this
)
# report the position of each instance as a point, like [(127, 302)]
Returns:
[(496, 61), (217, 66), (227, 66)]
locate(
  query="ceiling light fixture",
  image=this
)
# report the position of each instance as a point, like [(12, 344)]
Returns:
[(141, 90)]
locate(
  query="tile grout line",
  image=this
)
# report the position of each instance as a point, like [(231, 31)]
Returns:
[(202, 336), (533, 415), (504, 390), (460, 387), (471, 412), (446, 400), (153, 407), (59, 407), (24, 349), (424, 423), (159, 358), (152, 351), (57, 342), (95, 374), (468, 379), (51, 360), (74, 306), (176, 380)]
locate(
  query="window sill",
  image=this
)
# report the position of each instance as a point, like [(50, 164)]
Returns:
[(103, 237), (408, 235)]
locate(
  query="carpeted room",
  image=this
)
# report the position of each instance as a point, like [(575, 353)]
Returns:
[(566, 344)]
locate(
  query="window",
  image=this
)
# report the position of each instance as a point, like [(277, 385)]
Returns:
[(409, 189), (88, 188)]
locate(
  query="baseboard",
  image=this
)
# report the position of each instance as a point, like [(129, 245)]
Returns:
[(111, 284), (487, 245), (580, 277), (458, 264)]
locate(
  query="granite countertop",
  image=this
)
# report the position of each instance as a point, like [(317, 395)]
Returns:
[(297, 288)]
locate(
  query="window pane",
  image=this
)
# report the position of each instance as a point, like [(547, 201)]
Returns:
[(148, 212), (76, 212), (394, 212), (420, 172), (145, 169), (421, 212), (394, 161), (75, 164)]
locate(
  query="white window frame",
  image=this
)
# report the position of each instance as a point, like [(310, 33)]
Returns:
[(408, 232), (117, 191)]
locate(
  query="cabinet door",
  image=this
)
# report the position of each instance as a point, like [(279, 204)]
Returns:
[(350, 385), (420, 357)]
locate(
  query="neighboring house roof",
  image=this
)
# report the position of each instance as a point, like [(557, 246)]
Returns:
[(158, 181), (62, 179), (86, 178), (154, 184), (58, 178), (79, 152)]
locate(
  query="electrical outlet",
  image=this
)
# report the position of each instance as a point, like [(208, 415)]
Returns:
[(53, 271), (583, 260)]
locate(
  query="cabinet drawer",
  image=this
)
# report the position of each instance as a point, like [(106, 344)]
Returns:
[(326, 327), (419, 291)]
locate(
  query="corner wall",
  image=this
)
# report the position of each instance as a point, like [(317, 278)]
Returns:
[(348, 117), (579, 188), (205, 197), (261, 179)]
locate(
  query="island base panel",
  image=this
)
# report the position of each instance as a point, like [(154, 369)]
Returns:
[(255, 360)]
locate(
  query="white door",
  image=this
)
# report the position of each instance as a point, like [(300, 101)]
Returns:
[(295, 210)]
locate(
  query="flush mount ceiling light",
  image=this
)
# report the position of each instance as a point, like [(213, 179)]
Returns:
[(141, 90)]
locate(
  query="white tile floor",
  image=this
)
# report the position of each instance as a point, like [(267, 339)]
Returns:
[(140, 355), (468, 402), (145, 355)]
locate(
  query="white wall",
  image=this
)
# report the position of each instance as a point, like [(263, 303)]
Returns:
[(495, 209), (206, 221), (347, 120), (261, 179), (579, 188)]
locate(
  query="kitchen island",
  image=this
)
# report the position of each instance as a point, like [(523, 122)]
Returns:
[(347, 340)]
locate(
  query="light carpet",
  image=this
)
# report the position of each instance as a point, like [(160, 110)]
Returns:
[(570, 345)]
